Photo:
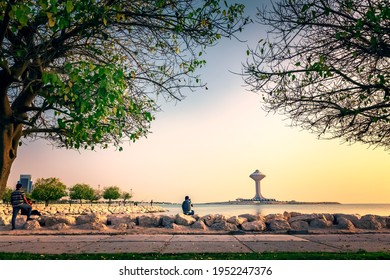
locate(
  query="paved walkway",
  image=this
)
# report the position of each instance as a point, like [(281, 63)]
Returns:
[(169, 243)]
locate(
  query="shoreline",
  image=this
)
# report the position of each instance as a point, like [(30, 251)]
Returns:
[(98, 219), (255, 202)]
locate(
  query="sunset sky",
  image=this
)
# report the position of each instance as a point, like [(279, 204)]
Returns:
[(207, 146)]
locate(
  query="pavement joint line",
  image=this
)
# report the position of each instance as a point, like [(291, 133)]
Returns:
[(166, 244), (243, 244), (339, 248)]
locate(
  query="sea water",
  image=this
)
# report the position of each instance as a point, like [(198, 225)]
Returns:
[(265, 209)]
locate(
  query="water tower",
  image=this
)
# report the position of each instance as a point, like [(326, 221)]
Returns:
[(257, 176)]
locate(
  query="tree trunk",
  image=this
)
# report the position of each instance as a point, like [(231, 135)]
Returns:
[(10, 130), (10, 135)]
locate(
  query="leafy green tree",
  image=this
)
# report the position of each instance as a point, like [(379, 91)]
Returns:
[(110, 193), (80, 192), (6, 197), (125, 196), (326, 65), (48, 189), (95, 196), (86, 73)]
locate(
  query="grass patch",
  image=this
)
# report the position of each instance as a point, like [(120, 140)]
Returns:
[(360, 255)]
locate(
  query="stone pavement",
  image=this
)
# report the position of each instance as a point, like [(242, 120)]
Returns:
[(173, 243)]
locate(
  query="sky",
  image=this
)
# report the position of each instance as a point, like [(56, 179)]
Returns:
[(207, 145)]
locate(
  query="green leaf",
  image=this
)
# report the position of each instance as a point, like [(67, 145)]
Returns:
[(69, 6)]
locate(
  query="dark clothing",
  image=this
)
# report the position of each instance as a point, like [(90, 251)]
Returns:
[(33, 212), (186, 206), (18, 203), (17, 197), (15, 211)]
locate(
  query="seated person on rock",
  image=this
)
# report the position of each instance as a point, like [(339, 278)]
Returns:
[(186, 206)]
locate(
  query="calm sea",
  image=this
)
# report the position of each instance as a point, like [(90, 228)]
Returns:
[(235, 210)]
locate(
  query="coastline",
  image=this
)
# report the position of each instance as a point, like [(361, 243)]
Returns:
[(101, 219), (256, 202)]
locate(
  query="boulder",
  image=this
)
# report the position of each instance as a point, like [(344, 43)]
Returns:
[(149, 221), (328, 217), (94, 226), (305, 217), (120, 219), (208, 219), (221, 225), (254, 226), (351, 217), (199, 225), (320, 223), (387, 219), (184, 220), (251, 217), (179, 228), (5, 220), (20, 221), (286, 215), (49, 221), (271, 217), (344, 223), (32, 225), (294, 214), (167, 221), (236, 220), (60, 226), (121, 226), (278, 225), (299, 225), (91, 218), (369, 222)]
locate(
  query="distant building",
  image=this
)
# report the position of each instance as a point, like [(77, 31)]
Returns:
[(26, 182)]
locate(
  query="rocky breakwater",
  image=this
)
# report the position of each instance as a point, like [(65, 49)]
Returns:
[(127, 220)]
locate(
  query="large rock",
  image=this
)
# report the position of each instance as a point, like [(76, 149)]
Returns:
[(299, 225), (60, 226), (167, 221), (184, 220), (344, 223), (223, 225), (115, 220), (320, 223), (271, 217), (236, 220), (149, 221), (121, 226), (387, 219), (351, 217), (199, 225), (213, 218), (5, 220), (251, 217), (49, 221), (369, 222), (306, 217), (94, 226), (279, 225), (32, 225), (254, 226), (91, 218)]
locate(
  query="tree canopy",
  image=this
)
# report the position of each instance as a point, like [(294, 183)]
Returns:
[(326, 64), (48, 189), (81, 191), (87, 73), (112, 192)]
